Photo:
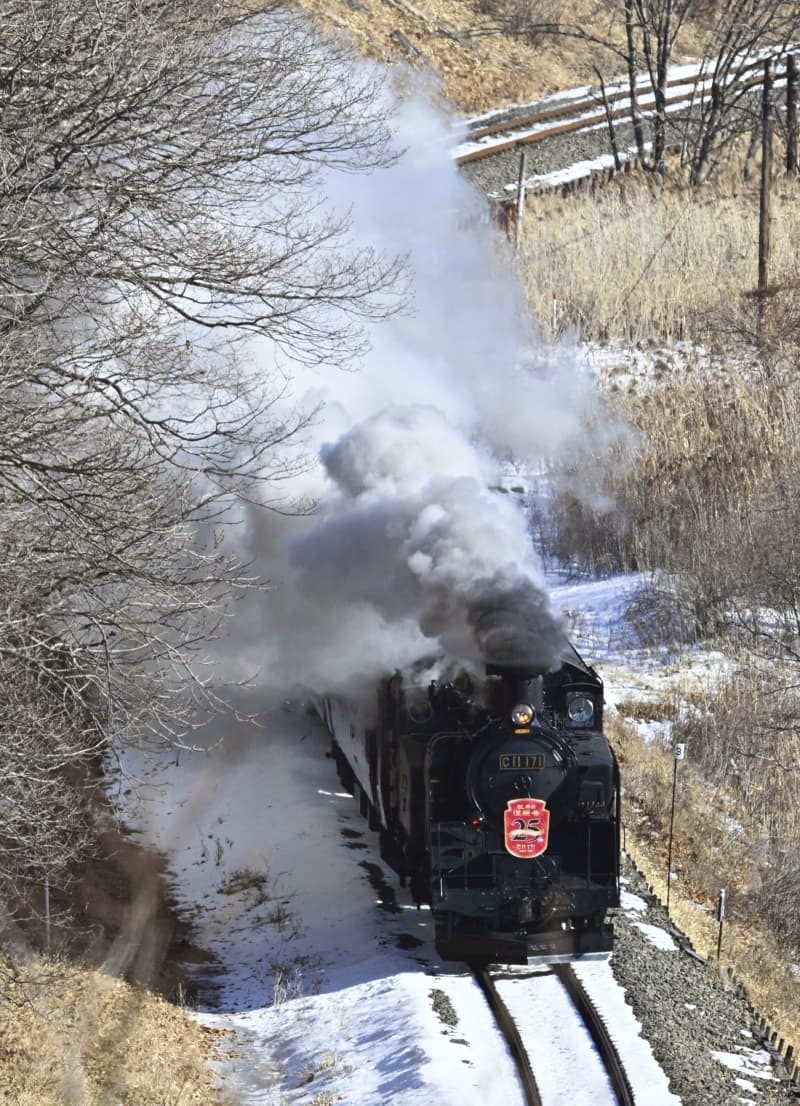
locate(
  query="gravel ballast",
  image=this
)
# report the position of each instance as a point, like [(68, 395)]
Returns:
[(496, 171), (492, 174), (686, 1013)]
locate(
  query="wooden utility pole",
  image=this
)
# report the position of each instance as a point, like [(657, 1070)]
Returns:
[(791, 115), (520, 198), (764, 207)]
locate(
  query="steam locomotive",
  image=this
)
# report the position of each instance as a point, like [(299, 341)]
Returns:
[(497, 800)]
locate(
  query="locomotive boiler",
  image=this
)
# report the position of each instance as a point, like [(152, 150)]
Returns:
[(497, 800)]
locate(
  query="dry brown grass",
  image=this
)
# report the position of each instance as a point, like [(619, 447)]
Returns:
[(708, 449), (479, 67), (90, 1040), (701, 492), (709, 852), (635, 260), (486, 52), (75, 1034)]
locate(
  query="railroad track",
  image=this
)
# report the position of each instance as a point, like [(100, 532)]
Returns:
[(511, 1034), (597, 1028), (529, 1004), (498, 135)]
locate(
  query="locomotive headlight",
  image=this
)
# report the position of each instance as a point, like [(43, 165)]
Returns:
[(523, 714), (580, 711)]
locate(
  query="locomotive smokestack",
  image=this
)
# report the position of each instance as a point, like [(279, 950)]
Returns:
[(519, 684)]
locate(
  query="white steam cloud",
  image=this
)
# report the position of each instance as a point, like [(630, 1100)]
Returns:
[(410, 553)]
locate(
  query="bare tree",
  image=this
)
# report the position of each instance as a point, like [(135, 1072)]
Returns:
[(727, 109), (659, 23), (633, 74), (644, 34), (161, 195)]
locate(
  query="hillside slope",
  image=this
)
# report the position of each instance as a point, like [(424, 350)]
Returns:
[(487, 52)]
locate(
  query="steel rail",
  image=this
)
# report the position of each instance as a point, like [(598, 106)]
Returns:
[(573, 108), (600, 1035), (509, 1030), (509, 126), (623, 93)]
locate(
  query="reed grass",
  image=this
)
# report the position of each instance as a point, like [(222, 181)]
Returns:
[(634, 259), (700, 491), (718, 842)]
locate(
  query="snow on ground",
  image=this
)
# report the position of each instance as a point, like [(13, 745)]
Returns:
[(578, 170), (753, 1065), (324, 970), (326, 976), (650, 1085), (689, 70), (657, 937), (596, 614), (687, 92), (630, 903)]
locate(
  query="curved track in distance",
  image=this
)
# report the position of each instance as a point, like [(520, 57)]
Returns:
[(586, 113)]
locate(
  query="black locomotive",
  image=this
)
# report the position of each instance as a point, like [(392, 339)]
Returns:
[(499, 803)]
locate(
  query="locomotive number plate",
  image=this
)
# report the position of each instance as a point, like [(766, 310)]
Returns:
[(511, 762)]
